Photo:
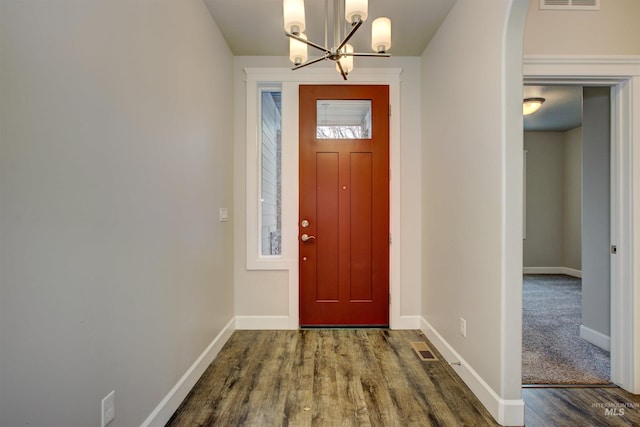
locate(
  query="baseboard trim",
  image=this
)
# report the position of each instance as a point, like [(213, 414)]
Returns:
[(257, 323), (553, 270), (165, 409), (596, 338), (506, 412)]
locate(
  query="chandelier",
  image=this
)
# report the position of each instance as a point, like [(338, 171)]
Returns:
[(341, 52)]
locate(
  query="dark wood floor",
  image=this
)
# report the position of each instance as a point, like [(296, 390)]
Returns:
[(580, 407), (365, 377), (328, 377)]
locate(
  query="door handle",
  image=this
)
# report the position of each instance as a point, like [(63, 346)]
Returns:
[(305, 237)]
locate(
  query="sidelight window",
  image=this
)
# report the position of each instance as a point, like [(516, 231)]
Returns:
[(270, 172)]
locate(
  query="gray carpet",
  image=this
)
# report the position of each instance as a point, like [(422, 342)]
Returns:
[(552, 350)]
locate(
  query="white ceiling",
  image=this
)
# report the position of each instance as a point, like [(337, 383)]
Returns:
[(256, 27), (561, 111)]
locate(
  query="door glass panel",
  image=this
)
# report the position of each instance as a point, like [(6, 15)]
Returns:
[(343, 119)]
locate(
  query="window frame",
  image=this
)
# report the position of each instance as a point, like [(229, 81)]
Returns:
[(256, 83), (254, 257)]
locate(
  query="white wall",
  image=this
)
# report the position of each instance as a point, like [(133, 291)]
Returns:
[(595, 210), (472, 196), (554, 195), (543, 246), (265, 293), (612, 30), (115, 157), (572, 233)]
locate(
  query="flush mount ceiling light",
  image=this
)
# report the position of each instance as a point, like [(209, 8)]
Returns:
[(531, 105), (355, 13)]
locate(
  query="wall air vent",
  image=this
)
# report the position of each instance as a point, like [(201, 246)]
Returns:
[(569, 4)]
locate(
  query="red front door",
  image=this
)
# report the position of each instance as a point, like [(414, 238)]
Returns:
[(344, 205)]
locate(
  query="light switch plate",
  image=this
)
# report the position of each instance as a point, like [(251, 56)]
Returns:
[(224, 214)]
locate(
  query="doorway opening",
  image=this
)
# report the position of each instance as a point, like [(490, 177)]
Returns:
[(566, 286), (622, 76)]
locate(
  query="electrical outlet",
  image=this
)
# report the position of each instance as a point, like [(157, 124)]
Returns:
[(108, 408), (463, 327)]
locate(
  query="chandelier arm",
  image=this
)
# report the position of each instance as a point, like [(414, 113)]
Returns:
[(336, 22), (344, 75), (310, 43), (351, 33), (378, 55), (326, 23), (313, 61)]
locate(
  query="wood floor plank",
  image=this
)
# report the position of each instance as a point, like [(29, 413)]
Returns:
[(410, 410), (325, 410), (463, 405), (630, 402), (380, 408), (221, 378), (247, 368), (303, 366), (437, 385), (531, 418), (298, 408), (266, 404), (349, 372), (603, 407), (549, 411)]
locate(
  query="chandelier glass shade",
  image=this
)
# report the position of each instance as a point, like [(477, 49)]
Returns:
[(356, 10), (297, 50), (346, 61), (341, 52), (293, 16), (381, 34)]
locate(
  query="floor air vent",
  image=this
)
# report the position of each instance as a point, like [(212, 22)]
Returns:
[(569, 4), (423, 351)]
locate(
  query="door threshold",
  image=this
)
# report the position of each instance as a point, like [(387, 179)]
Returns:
[(609, 385), (344, 326)]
